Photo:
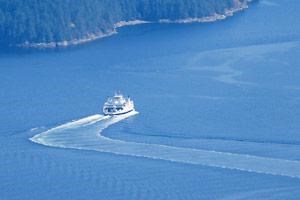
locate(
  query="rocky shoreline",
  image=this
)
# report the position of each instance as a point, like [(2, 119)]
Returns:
[(95, 36)]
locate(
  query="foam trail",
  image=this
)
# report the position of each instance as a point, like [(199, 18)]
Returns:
[(86, 134)]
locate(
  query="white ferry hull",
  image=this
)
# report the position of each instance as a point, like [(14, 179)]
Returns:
[(118, 113)]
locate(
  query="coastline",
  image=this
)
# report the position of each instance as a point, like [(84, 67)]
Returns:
[(212, 18), (88, 38), (95, 36)]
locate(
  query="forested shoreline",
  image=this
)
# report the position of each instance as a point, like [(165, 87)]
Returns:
[(56, 21)]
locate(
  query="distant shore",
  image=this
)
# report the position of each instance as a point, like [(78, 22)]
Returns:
[(95, 36)]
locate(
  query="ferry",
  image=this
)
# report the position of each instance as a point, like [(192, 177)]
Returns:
[(118, 105)]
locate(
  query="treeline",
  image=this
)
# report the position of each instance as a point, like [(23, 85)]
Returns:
[(58, 20)]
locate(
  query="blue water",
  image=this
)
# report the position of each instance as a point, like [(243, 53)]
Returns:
[(232, 86)]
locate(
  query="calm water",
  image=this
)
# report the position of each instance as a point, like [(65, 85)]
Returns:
[(231, 86)]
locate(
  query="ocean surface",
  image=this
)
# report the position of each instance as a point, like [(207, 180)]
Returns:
[(218, 112)]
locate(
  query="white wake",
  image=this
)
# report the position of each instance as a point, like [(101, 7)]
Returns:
[(86, 134)]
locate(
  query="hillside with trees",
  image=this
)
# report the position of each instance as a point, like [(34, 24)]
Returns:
[(45, 21)]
